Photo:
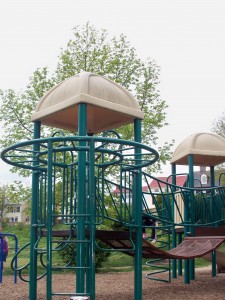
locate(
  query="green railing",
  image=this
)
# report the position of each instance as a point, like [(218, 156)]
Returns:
[(183, 206)]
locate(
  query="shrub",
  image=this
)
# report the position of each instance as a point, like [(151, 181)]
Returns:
[(68, 254)]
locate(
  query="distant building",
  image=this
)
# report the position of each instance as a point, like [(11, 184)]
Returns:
[(16, 213), (181, 180)]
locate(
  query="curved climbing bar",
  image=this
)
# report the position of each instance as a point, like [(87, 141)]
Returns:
[(108, 152)]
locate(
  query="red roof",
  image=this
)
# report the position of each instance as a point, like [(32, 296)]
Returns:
[(180, 181)]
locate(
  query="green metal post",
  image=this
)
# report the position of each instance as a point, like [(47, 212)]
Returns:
[(91, 181), (81, 201), (180, 260), (212, 176), (213, 263), (49, 223), (33, 226), (138, 218), (90, 247), (212, 183), (191, 211), (174, 261)]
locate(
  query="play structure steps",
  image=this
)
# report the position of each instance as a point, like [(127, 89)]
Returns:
[(159, 266)]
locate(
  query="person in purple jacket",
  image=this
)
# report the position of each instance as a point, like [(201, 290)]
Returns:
[(4, 248)]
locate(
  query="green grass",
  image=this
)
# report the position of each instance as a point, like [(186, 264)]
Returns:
[(22, 233), (119, 262)]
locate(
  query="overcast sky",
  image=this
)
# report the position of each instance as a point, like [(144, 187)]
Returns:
[(185, 38)]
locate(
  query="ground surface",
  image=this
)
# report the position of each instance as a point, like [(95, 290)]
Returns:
[(119, 286)]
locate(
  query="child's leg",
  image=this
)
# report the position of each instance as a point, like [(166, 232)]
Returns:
[(154, 235), (143, 232)]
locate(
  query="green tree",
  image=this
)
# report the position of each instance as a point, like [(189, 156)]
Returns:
[(92, 50), (219, 125), (3, 201)]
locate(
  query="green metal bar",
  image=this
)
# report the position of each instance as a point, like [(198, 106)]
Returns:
[(102, 194), (174, 261), (49, 223), (180, 260), (213, 263), (72, 183), (212, 182), (88, 249), (33, 227), (44, 201), (192, 211), (186, 271), (54, 185), (212, 176), (138, 218), (92, 207), (64, 182), (81, 200)]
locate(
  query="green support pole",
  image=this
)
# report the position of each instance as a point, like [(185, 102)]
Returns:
[(213, 263), (180, 260), (81, 201), (90, 249), (138, 218), (190, 264), (174, 261), (49, 223), (34, 217), (91, 275), (212, 183), (212, 176)]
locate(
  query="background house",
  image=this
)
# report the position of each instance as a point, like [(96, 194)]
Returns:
[(181, 180), (16, 212)]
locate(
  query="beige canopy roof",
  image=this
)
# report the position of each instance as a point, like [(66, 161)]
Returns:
[(109, 105), (208, 149)]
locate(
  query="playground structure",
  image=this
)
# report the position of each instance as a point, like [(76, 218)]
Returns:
[(73, 178)]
